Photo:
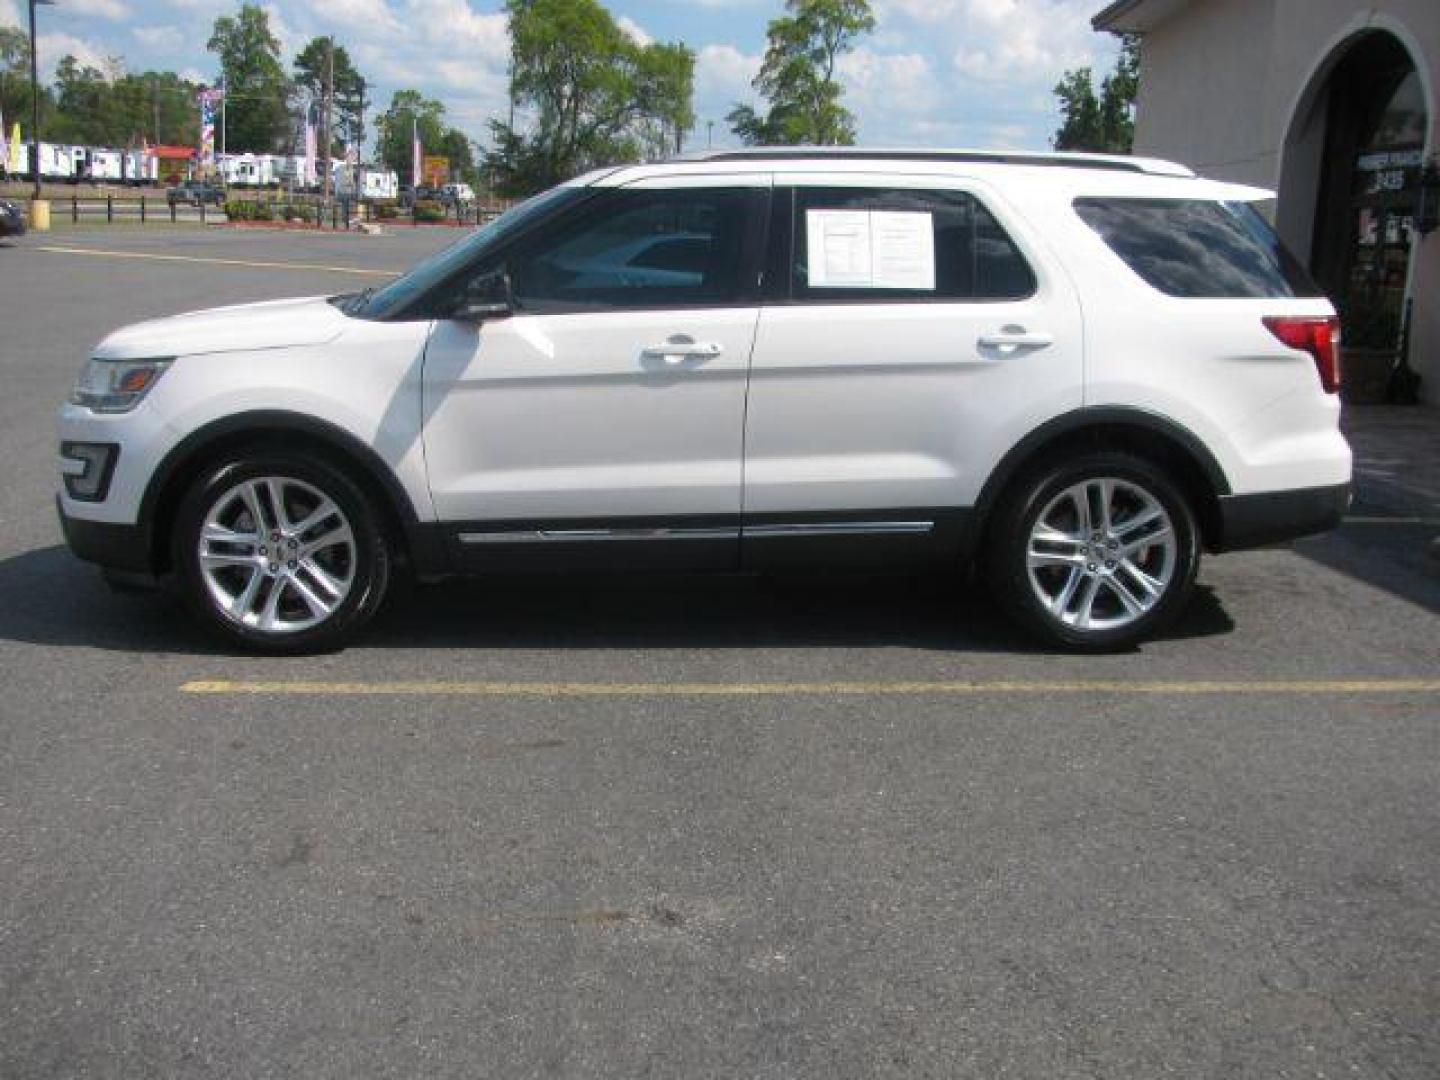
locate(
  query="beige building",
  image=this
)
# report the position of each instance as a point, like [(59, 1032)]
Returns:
[(1332, 104)]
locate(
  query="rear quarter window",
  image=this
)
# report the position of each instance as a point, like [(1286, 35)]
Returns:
[(1198, 248)]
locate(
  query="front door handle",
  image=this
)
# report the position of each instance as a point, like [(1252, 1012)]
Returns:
[(1014, 338), (680, 348)]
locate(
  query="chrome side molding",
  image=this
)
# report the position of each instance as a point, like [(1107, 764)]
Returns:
[(839, 528), (543, 536), (758, 532)]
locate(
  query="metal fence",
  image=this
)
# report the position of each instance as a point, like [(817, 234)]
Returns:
[(338, 215)]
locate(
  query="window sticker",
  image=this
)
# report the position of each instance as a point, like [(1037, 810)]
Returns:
[(870, 249)]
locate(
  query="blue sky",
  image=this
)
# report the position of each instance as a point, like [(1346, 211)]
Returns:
[(934, 73)]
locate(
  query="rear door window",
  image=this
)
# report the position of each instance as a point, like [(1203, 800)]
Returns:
[(896, 244), (1198, 248)]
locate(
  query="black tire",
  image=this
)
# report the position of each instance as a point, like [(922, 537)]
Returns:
[(361, 562), (1046, 489)]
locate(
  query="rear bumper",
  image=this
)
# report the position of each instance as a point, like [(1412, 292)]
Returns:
[(115, 547), (1248, 521)]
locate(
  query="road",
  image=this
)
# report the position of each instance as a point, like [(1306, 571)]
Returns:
[(771, 829)]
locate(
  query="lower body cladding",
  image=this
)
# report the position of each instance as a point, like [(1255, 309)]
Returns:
[(900, 539), (861, 540)]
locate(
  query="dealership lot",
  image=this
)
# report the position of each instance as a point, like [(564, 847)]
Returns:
[(761, 828)]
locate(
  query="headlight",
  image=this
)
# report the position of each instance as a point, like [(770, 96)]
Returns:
[(117, 386)]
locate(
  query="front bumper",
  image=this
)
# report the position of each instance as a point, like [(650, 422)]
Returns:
[(1271, 517), (111, 545)]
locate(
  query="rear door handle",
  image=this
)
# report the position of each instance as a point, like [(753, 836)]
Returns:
[(680, 348), (1013, 338)]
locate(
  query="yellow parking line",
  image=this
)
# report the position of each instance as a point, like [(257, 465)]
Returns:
[(213, 261), (810, 689)]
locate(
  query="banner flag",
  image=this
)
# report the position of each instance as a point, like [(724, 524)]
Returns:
[(416, 155), (207, 127), (16, 147), (310, 152)]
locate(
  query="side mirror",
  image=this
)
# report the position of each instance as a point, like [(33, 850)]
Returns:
[(486, 297)]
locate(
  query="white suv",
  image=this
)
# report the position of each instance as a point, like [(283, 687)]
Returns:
[(1073, 372)]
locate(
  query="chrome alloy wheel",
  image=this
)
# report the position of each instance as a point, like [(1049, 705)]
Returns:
[(277, 555), (1102, 553)]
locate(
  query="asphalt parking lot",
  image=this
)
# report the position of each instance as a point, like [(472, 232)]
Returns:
[(770, 829)]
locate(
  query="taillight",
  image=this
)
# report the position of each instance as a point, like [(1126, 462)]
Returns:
[(1320, 338)]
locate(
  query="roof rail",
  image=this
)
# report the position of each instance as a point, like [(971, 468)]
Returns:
[(1059, 159)]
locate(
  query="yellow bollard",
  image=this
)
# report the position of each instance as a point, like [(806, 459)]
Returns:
[(39, 215)]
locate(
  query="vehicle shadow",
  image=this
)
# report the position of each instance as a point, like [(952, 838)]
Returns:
[(47, 597), (1389, 555)]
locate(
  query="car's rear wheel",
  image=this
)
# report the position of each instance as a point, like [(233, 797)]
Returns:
[(280, 553), (1094, 553)]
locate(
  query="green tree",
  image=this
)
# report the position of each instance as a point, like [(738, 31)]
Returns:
[(1101, 122), (456, 146), (310, 73), (594, 95), (257, 91), (15, 81), (408, 110), (797, 77)]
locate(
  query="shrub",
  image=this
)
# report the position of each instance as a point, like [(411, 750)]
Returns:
[(385, 211), (429, 211)]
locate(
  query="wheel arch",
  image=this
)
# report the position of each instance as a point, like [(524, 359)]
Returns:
[(1138, 431), (416, 545)]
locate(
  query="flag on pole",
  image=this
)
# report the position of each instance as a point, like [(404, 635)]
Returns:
[(416, 152), (16, 147), (207, 127), (310, 152)]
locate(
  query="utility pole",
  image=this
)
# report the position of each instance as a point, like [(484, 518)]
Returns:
[(155, 99), (329, 100), (35, 103), (359, 134), (224, 97)]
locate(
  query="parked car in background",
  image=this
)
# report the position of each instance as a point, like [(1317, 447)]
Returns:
[(1074, 373), (196, 193), (12, 218), (457, 194)]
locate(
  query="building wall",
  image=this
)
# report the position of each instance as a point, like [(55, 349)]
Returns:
[(1223, 80)]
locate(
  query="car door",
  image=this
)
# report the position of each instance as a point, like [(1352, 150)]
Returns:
[(602, 423), (913, 331)]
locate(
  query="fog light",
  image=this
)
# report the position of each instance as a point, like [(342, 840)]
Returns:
[(87, 468)]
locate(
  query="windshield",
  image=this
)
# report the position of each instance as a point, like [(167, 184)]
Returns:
[(423, 275)]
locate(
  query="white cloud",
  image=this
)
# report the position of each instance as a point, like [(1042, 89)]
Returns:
[(365, 18), (52, 48), (9, 13), (634, 31), (722, 77), (459, 29), (1033, 42), (114, 10), (158, 37)]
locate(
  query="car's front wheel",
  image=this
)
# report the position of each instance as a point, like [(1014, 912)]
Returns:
[(1096, 552), (280, 553)]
